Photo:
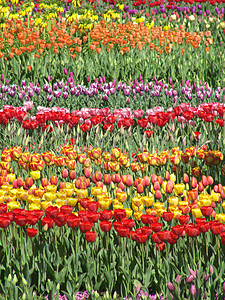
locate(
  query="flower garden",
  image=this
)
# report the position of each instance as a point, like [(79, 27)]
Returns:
[(112, 171)]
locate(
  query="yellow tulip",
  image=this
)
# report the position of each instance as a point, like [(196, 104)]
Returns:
[(61, 202), (137, 215), (49, 196), (147, 200), (72, 201), (35, 175), (179, 189), (82, 194), (22, 195), (51, 188), (96, 191), (11, 177), (137, 201), (196, 212), (12, 205), (173, 201), (34, 206), (158, 205), (128, 212)]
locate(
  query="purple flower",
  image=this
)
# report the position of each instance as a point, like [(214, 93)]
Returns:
[(65, 71), (190, 278), (193, 289), (171, 286)]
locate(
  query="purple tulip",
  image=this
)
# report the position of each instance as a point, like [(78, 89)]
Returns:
[(193, 290), (190, 278), (170, 286), (49, 78)]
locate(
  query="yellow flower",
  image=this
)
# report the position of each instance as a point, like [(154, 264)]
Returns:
[(11, 177), (177, 214), (72, 201), (50, 197), (158, 205), (61, 202), (96, 191), (82, 194), (137, 215), (220, 218), (12, 205), (34, 206), (118, 206), (51, 188), (128, 212), (179, 189), (35, 175), (45, 204), (196, 212), (147, 200), (137, 201)]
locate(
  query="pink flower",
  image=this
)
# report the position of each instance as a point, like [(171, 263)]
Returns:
[(28, 105)]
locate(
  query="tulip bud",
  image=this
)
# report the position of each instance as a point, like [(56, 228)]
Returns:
[(156, 186), (210, 180), (170, 286), (154, 178), (158, 194), (54, 179), (15, 186), (87, 172), (19, 181), (140, 189), (200, 187), (107, 179), (65, 173), (204, 180), (193, 289), (167, 175), (185, 178), (44, 182), (190, 278), (72, 174), (194, 183), (211, 269), (206, 277)]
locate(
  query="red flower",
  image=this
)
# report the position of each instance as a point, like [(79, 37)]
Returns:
[(93, 206), (216, 228), (155, 238), (106, 226), (74, 120), (108, 127), (119, 214), (167, 216), (85, 226), (20, 115), (149, 219), (177, 230), (4, 221), (32, 220), (222, 235), (20, 220), (129, 223), (141, 237), (160, 246), (192, 230), (184, 219), (73, 221), (146, 230), (3, 208), (143, 122), (93, 216), (96, 120), (156, 227), (85, 127), (163, 235), (47, 222), (197, 134), (105, 215), (220, 122), (148, 133), (31, 232), (209, 118), (122, 231), (52, 212), (47, 127), (61, 217), (67, 209), (90, 236), (203, 226), (188, 115), (206, 210)]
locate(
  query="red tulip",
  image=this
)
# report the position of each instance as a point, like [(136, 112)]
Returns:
[(163, 235), (3, 208), (160, 246), (67, 209), (31, 232), (216, 228), (129, 223), (105, 215), (106, 226), (184, 219), (156, 227), (90, 236), (92, 206), (20, 220), (119, 214), (122, 231), (141, 237), (85, 226), (177, 230), (4, 222), (52, 212), (93, 216), (47, 222), (73, 221), (206, 210), (167, 216), (192, 230)]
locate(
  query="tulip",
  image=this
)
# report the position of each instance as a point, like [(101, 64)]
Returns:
[(54, 180), (190, 278), (170, 286), (31, 232), (90, 236)]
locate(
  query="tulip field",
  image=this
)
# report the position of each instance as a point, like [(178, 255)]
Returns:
[(112, 169)]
